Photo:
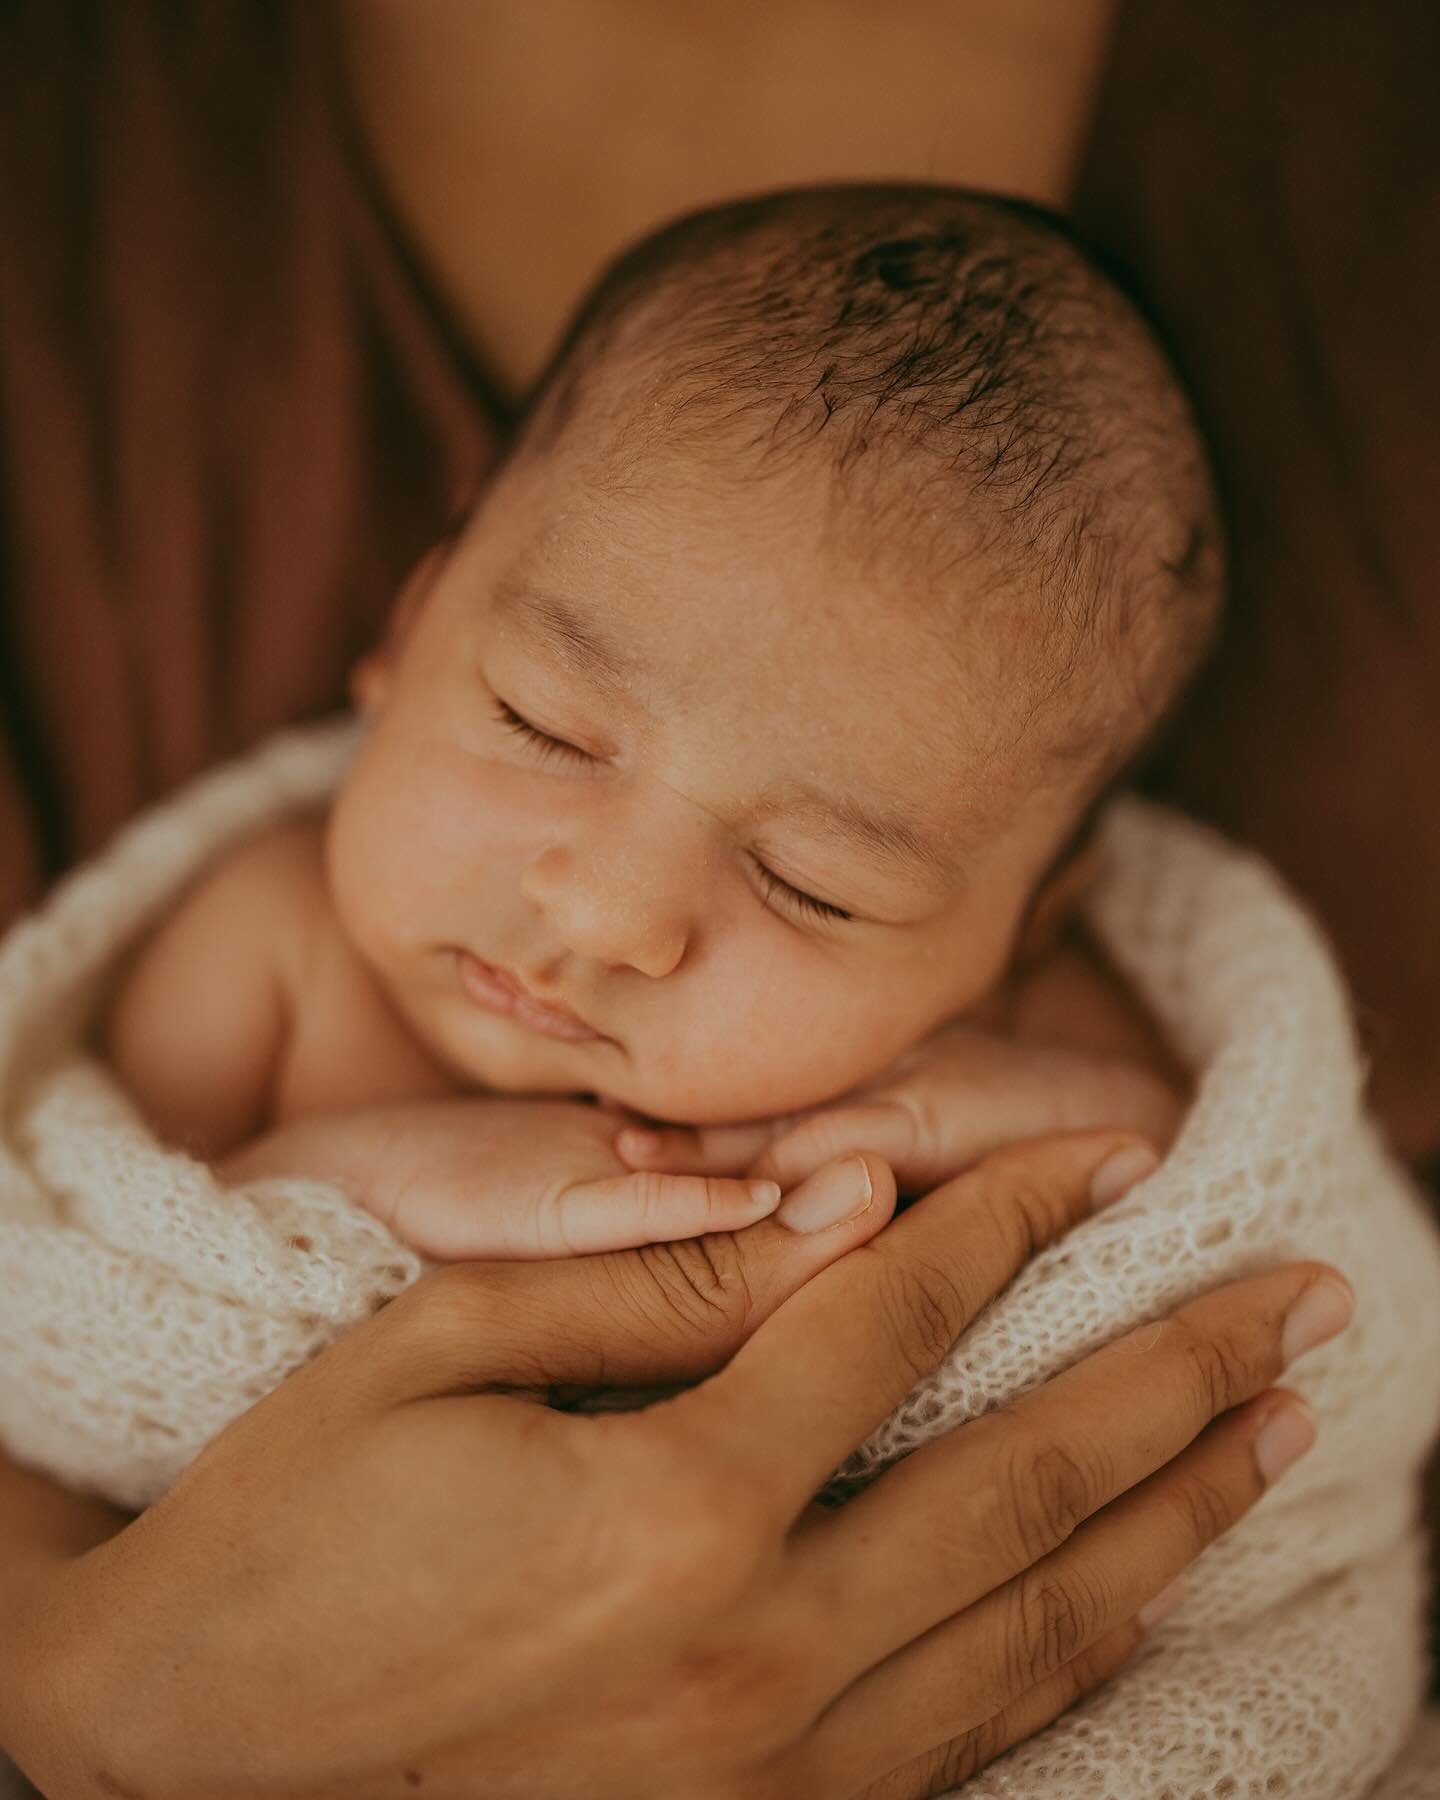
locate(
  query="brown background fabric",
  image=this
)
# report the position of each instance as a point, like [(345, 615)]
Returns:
[(1270, 174), (228, 421)]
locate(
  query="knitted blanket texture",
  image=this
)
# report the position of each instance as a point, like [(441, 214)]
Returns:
[(143, 1305)]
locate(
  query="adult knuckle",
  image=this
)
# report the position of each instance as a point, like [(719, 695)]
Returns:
[(698, 1283), (1026, 1211), (1059, 1616), (1206, 1511), (926, 1309), (1221, 1364), (1064, 1484), (1038, 1493)]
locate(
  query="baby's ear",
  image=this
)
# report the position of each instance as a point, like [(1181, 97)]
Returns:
[(1057, 900), (369, 683), (370, 678)]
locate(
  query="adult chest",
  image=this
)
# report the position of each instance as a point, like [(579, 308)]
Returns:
[(522, 146)]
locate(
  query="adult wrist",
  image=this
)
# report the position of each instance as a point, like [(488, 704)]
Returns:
[(48, 1704), (59, 1720)]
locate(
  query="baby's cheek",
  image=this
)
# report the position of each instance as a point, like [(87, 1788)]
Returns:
[(755, 1061), (349, 865)]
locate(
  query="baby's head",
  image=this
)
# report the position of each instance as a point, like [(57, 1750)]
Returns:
[(854, 541)]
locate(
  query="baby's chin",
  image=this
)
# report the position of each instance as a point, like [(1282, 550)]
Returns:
[(662, 1103)]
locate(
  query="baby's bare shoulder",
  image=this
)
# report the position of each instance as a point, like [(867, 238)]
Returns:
[(286, 859), (201, 1016), (270, 891)]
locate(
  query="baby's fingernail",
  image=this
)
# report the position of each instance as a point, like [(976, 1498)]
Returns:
[(1323, 1310), (1119, 1173), (1284, 1438), (765, 1194), (1162, 1605), (832, 1197), (638, 1143)]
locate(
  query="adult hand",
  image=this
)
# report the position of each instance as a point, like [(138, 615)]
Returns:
[(402, 1572)]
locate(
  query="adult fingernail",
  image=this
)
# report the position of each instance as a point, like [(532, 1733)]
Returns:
[(1284, 1438), (832, 1197), (1119, 1173), (638, 1143), (1164, 1603), (764, 1194), (1323, 1310)]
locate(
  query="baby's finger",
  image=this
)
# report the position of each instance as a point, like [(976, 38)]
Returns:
[(696, 1150), (881, 1126), (620, 1212)]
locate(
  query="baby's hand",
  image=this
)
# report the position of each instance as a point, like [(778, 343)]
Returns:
[(942, 1106), (507, 1179)]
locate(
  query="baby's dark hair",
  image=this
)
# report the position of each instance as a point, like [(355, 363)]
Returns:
[(980, 396)]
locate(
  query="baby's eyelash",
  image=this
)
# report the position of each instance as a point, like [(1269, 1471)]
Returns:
[(798, 898), (541, 741), (551, 747)]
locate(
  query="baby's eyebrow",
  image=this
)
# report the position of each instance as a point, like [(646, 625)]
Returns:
[(579, 643), (889, 836)]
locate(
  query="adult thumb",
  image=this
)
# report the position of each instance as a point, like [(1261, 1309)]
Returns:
[(660, 1314)]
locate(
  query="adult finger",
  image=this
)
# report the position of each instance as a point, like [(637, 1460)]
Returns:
[(947, 1765), (875, 1323), (1029, 1629), (663, 1313), (996, 1496)]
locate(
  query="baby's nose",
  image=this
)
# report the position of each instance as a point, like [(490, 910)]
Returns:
[(614, 906)]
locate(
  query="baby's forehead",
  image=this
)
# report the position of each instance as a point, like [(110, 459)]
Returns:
[(947, 368), (819, 680)]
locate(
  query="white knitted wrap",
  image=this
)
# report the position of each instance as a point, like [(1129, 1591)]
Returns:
[(142, 1306)]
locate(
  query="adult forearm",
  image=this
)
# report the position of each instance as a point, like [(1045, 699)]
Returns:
[(42, 1527)]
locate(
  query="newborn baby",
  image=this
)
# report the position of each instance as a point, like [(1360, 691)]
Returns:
[(745, 740)]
